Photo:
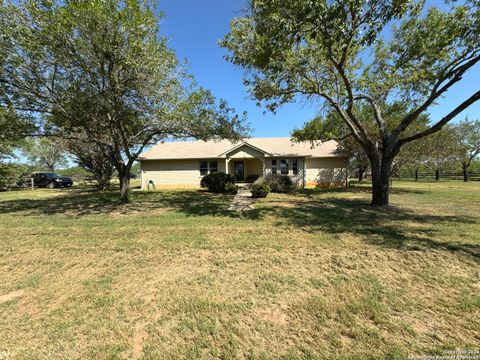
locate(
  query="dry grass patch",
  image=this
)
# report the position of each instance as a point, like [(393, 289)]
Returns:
[(175, 275)]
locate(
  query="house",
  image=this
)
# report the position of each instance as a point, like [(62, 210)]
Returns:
[(184, 163)]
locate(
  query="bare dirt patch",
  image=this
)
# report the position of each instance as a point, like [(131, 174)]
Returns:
[(11, 296)]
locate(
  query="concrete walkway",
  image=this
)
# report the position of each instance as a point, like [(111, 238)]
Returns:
[(243, 201)]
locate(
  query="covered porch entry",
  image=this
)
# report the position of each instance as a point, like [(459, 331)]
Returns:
[(245, 162), (246, 170)]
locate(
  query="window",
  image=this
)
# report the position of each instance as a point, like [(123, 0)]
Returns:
[(203, 168), (274, 167), (208, 167), (284, 167), (213, 166), (295, 166)]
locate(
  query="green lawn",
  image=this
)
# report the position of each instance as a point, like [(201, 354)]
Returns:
[(175, 275)]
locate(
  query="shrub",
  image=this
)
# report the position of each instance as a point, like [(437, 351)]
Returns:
[(277, 183), (216, 182), (260, 190), (12, 175), (231, 188)]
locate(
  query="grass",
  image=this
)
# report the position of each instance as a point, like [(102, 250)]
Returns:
[(175, 275)]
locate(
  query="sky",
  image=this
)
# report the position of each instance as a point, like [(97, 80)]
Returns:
[(194, 28)]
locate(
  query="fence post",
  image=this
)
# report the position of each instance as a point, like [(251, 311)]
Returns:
[(31, 182)]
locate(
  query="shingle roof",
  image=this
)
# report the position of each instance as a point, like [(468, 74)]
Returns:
[(280, 146)]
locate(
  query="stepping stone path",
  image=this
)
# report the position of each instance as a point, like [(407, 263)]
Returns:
[(243, 201)]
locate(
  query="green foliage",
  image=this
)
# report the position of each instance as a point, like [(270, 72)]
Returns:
[(440, 149), (260, 190), (218, 182), (135, 168), (91, 158), (101, 69), (348, 55), (277, 183), (231, 188), (11, 174), (13, 130), (467, 136), (332, 127), (75, 172), (301, 47), (45, 153)]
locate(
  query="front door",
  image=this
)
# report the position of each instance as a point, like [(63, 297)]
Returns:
[(239, 171)]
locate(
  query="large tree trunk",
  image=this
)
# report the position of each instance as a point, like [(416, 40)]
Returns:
[(381, 171), (465, 172), (361, 173), (124, 177)]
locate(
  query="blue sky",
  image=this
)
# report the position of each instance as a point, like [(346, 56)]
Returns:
[(194, 27)]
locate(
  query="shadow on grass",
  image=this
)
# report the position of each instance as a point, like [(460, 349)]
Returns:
[(82, 202), (363, 188), (389, 227), (394, 227)]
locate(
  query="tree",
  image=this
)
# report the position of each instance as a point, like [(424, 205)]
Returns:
[(350, 149), (90, 157), (11, 174), (346, 53), (315, 129), (467, 136), (45, 153), (333, 127), (13, 130), (100, 68), (412, 155), (441, 150)]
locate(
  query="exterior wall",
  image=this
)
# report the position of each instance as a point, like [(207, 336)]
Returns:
[(325, 172), (175, 173), (319, 172), (253, 167), (297, 179)]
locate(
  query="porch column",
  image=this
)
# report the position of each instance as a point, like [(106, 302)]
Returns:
[(263, 167), (226, 165)]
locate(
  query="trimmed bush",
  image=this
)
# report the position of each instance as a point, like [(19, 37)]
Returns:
[(277, 183), (216, 182), (260, 190), (231, 188)]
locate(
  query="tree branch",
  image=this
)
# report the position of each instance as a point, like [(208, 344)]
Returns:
[(438, 126), (377, 114), (435, 94)]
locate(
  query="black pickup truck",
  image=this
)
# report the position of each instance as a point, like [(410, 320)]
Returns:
[(51, 180)]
